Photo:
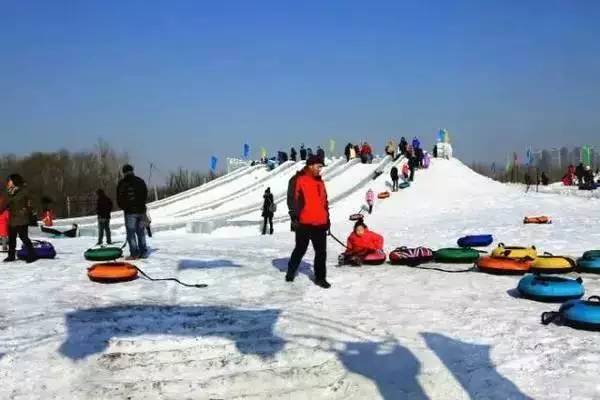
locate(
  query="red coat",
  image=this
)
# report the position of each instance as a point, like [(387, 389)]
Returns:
[(4, 222), (307, 200), (48, 218), (366, 149), (368, 242)]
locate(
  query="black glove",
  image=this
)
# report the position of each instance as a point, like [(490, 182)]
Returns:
[(294, 224)]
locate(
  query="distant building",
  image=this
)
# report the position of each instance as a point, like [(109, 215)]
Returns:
[(555, 159), (565, 157), (576, 155)]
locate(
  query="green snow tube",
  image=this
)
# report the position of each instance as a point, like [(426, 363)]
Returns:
[(456, 256), (103, 254)]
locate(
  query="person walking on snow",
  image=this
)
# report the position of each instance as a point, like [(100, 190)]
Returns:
[(413, 164), (104, 206), (370, 197), (402, 146), (366, 153), (321, 153), (293, 155), (416, 144), (268, 211), (309, 213), (347, 151), (395, 177), (18, 204), (131, 198), (302, 152), (4, 224)]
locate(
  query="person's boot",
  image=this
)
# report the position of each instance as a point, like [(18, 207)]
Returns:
[(10, 258), (271, 232), (323, 283)]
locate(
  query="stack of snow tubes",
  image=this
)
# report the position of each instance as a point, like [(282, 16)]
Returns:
[(510, 260), (589, 262), (108, 270)]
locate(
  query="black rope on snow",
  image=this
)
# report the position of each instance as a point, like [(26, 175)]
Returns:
[(198, 285), (337, 240), (450, 271)]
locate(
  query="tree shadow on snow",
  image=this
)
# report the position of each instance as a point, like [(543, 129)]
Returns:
[(282, 265), (473, 368), (392, 367), (89, 331), (206, 264)]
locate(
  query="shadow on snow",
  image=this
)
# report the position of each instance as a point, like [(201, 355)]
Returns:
[(473, 368), (206, 264), (282, 265), (89, 331)]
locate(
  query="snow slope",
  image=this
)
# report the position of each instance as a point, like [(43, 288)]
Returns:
[(379, 333)]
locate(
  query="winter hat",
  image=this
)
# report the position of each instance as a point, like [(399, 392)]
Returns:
[(16, 179), (127, 169), (314, 159)]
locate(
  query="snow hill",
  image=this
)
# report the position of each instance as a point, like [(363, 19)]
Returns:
[(380, 332)]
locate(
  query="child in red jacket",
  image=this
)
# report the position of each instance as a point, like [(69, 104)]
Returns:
[(361, 242)]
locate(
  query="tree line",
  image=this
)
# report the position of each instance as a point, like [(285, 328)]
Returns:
[(67, 181)]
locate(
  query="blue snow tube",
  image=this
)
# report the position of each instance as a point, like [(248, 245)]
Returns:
[(589, 262), (475, 241), (578, 314), (550, 288)]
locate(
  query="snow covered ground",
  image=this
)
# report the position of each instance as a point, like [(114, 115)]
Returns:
[(380, 332)]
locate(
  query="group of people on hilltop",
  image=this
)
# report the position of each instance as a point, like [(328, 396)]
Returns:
[(582, 176), (364, 152), (16, 214)]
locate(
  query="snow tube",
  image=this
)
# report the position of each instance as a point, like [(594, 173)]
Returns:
[(383, 195), (499, 265), (537, 220), (456, 256), (375, 258), (411, 257), (514, 252), (42, 250), (112, 272), (589, 262), (578, 314), (475, 241), (550, 288), (552, 264), (103, 254), (404, 185), (356, 217)]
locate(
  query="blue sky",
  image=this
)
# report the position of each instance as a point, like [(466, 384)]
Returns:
[(174, 82)]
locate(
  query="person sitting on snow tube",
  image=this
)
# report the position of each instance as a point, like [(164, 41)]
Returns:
[(361, 243)]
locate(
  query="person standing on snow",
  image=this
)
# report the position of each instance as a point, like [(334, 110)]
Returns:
[(309, 214), (402, 146), (416, 144), (413, 164), (321, 153), (370, 197), (268, 210), (131, 198), (395, 178), (4, 223), (347, 151), (18, 204), (309, 153), (104, 206), (293, 155), (302, 152)]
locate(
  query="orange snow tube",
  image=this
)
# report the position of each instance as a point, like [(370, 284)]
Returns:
[(509, 266), (537, 220), (383, 195), (112, 272)]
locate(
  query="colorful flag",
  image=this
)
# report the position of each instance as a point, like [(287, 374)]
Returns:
[(331, 146), (246, 150), (263, 152), (213, 163)]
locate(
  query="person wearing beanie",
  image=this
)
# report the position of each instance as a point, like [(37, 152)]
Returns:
[(104, 206), (18, 204), (132, 194), (309, 213)]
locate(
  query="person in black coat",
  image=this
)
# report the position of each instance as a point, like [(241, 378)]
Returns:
[(545, 179), (347, 151), (321, 153), (413, 163), (395, 178), (104, 206), (132, 193), (579, 172), (302, 153), (268, 211), (402, 146), (293, 155)]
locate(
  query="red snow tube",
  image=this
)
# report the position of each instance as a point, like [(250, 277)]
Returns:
[(112, 272), (375, 258), (537, 220), (411, 257), (383, 195)]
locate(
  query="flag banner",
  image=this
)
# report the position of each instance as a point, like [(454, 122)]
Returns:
[(263, 152), (246, 150), (331, 146), (213, 163)]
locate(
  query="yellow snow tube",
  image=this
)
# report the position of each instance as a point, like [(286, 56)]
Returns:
[(503, 251), (552, 264)]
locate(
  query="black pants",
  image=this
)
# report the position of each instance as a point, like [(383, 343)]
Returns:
[(104, 227), (318, 237), (268, 219), (370, 208), (22, 231), (395, 185), (412, 174)]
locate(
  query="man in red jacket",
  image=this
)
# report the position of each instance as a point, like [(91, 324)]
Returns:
[(309, 212)]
